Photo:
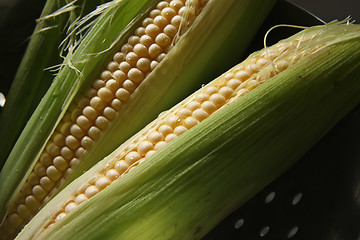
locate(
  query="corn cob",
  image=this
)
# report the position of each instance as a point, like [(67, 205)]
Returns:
[(237, 134), (71, 148)]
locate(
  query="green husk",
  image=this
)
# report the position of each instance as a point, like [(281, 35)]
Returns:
[(186, 188), (201, 48)]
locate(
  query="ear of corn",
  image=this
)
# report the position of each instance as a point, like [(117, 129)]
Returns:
[(236, 135), (99, 99), (31, 80)]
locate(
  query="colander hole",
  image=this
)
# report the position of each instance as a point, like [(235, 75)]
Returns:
[(293, 231), (270, 197), (296, 198), (264, 231), (239, 223)]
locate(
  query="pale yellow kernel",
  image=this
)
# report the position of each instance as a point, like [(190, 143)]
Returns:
[(58, 139), (132, 58), (75, 112), (97, 103), (143, 147), (153, 64), (105, 94), (173, 121), (126, 48), (146, 40), (23, 211), (15, 220), (90, 93), (183, 10), (133, 40), (180, 130), (154, 13), (226, 91), (190, 122), (281, 65), (146, 22), (176, 5), (148, 154), (71, 142), (152, 30), (165, 129), (102, 183), (122, 94), (155, 136), (86, 142), (209, 107), (233, 83), (112, 85), (80, 199), (140, 51), (20, 198), (250, 85), (33, 179), (59, 216), (218, 99), (228, 76), (121, 166), (136, 75), (105, 75), (60, 163), (184, 112), (252, 68), (201, 97), (39, 192), (112, 66), (83, 122), (99, 83), (116, 104), (170, 30), (210, 90), (52, 149), (154, 50), (160, 21), (112, 174), (140, 31), (175, 21), (193, 105), (200, 114), (143, 64), (160, 145), (129, 85), (80, 152), (66, 153), (125, 67), (26, 188), (119, 76), (70, 206), (90, 113), (76, 131), (94, 132), (101, 122), (39, 169), (74, 163), (32, 203), (262, 62), (242, 92), (161, 5), (53, 173), (91, 191), (119, 57), (160, 57), (65, 127), (170, 137), (109, 113), (168, 13), (83, 102), (163, 40), (47, 183)]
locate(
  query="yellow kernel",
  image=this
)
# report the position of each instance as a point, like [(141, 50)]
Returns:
[(126, 48), (184, 112), (200, 114), (165, 129), (80, 199), (76, 131), (59, 216), (66, 153), (125, 67), (143, 64), (119, 76), (262, 62), (250, 85), (80, 152), (242, 75), (23, 211), (147, 21), (281, 65), (153, 65), (152, 30), (242, 92), (112, 66), (83, 122), (97, 103), (228, 76), (39, 192), (133, 40), (91, 191), (201, 97), (91, 93), (143, 148), (163, 40), (15, 220), (193, 105), (233, 83), (136, 75), (146, 40), (101, 122), (131, 58), (90, 113), (217, 99), (129, 85), (116, 104), (170, 137), (170, 30), (159, 145), (226, 91), (105, 94), (32, 203), (39, 169), (173, 121), (86, 142), (161, 5), (139, 31), (122, 94), (60, 163), (121, 166), (94, 132), (71, 142), (160, 21), (155, 136), (148, 154), (168, 13), (190, 122), (180, 130), (176, 5), (109, 113), (74, 162), (102, 183), (70, 206), (210, 90), (209, 107), (47, 183), (59, 139), (252, 67), (175, 21), (75, 112), (65, 127), (52, 149), (53, 173), (105, 75), (33, 179), (154, 50), (112, 174), (154, 13), (99, 83), (83, 102), (140, 50), (26, 188)]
